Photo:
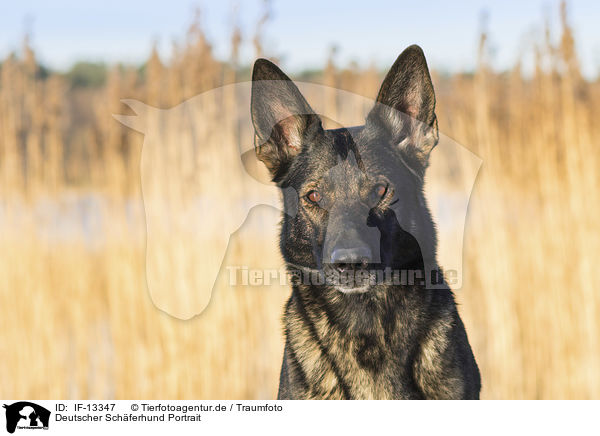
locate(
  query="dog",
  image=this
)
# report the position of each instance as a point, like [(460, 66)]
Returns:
[(355, 215)]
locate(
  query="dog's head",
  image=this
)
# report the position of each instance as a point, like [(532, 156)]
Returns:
[(358, 191)]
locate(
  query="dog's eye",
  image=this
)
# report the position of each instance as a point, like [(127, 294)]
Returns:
[(314, 196), (380, 190)]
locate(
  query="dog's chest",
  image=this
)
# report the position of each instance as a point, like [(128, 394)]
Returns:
[(335, 365), (370, 370)]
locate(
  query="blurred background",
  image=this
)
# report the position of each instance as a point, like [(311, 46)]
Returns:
[(517, 84)]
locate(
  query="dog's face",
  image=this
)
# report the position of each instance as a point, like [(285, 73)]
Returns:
[(353, 196)]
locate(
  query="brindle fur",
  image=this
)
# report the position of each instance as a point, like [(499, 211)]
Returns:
[(393, 341)]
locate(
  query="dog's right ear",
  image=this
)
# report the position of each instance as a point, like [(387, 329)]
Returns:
[(284, 122), (405, 108)]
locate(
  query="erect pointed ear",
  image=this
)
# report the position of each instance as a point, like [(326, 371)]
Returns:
[(284, 122), (405, 108)]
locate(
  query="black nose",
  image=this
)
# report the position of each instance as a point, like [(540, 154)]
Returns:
[(349, 257)]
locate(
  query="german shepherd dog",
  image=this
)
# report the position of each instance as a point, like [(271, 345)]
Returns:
[(354, 207)]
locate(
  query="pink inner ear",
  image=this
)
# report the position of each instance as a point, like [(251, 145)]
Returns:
[(290, 131), (411, 111), (414, 101)]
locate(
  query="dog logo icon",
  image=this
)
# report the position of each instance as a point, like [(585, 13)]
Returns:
[(26, 415)]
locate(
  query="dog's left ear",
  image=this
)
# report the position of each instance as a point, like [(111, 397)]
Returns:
[(405, 108), (284, 122)]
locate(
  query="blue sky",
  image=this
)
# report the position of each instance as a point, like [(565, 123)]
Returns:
[(301, 32)]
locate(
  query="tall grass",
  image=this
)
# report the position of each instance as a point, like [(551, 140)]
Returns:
[(77, 320)]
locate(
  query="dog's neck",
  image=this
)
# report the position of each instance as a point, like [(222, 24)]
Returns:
[(360, 313)]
